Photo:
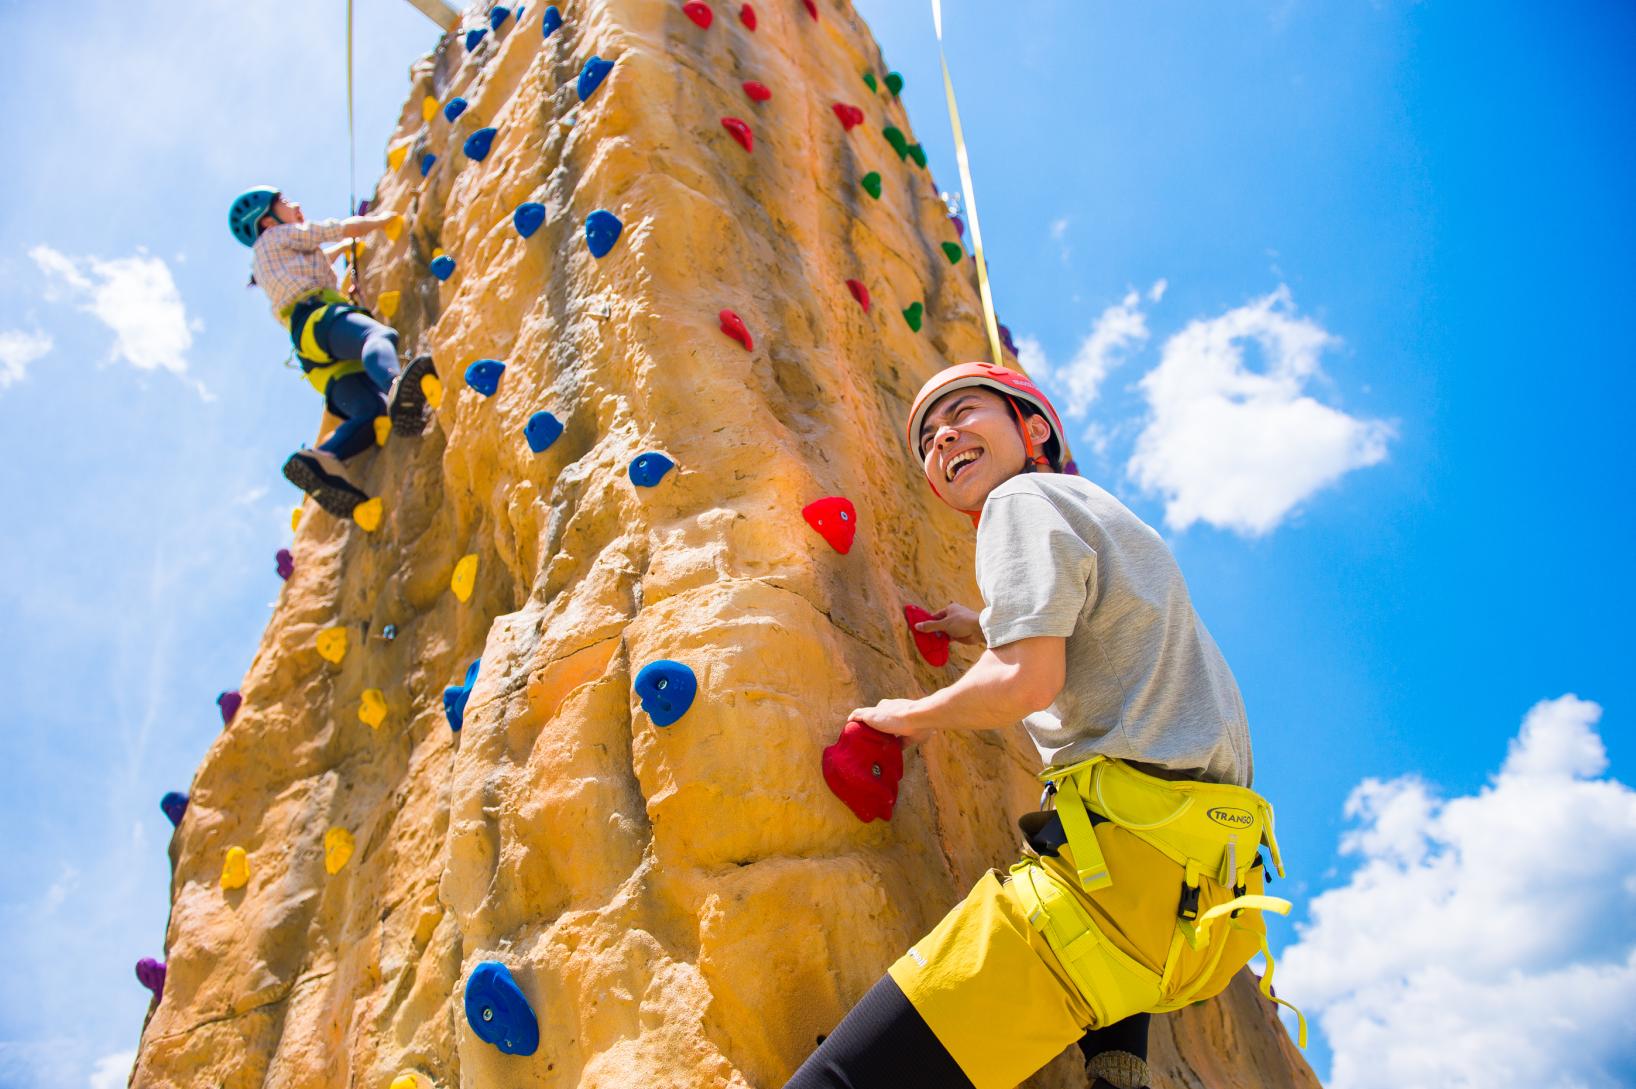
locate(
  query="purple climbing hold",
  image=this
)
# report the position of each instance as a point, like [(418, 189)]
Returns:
[(650, 468), (426, 162), (602, 229), (456, 695), (151, 974), (474, 36), (959, 225), (454, 108), (442, 266), (541, 431), (229, 702), (590, 78), (1005, 338), (551, 20), (498, 16), (478, 144), (286, 563), (484, 376), (528, 217), (174, 804)]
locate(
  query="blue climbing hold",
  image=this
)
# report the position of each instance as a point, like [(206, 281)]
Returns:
[(650, 468), (478, 144), (542, 430), (596, 70), (456, 695), (528, 217), (174, 804), (551, 20), (390, 632), (454, 108), (498, 1011), (602, 231), (474, 36), (426, 162), (443, 266), (484, 376), (666, 689), (498, 16)]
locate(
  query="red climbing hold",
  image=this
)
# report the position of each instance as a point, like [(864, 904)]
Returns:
[(835, 519), (741, 132), (864, 768), (747, 16), (699, 12), (933, 645), (757, 91), (850, 115), (859, 292), (733, 326), (812, 8)]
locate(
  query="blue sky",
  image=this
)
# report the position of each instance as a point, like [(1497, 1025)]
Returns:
[(1337, 288)]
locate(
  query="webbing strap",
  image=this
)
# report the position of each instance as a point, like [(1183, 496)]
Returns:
[(1089, 864), (1198, 929), (1266, 990)]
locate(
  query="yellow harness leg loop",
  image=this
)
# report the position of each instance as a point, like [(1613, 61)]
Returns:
[(1090, 866)]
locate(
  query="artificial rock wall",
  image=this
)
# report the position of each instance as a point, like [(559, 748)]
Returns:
[(684, 906)]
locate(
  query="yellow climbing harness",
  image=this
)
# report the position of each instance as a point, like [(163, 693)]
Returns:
[(321, 368)]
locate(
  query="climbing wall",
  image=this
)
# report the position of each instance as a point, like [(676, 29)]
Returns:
[(550, 733)]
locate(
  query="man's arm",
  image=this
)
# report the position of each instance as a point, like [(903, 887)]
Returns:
[(1004, 685)]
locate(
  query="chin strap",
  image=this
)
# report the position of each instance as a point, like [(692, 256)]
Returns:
[(1036, 460)]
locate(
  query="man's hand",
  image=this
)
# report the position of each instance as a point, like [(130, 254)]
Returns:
[(956, 621), (890, 717)]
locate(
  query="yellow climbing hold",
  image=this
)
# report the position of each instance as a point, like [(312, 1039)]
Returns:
[(372, 708), (337, 849), (368, 514), (386, 303), (428, 110), (433, 389), (295, 519), (405, 1081), (396, 155), (235, 869), (465, 577), (437, 251), (332, 644), (394, 228), (383, 428)]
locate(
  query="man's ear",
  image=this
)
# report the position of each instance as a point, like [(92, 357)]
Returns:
[(1038, 430)]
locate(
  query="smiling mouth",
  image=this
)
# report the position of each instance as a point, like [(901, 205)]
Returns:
[(958, 467)]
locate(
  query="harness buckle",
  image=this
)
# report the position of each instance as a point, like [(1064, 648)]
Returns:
[(1048, 793), (1238, 890), (1189, 907)]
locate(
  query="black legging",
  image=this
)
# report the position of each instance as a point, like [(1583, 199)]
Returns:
[(883, 1043)]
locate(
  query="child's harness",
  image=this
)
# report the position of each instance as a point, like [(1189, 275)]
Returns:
[(310, 318)]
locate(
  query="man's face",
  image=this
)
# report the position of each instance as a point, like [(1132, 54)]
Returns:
[(969, 445)]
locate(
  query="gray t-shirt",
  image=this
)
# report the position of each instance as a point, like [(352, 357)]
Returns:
[(1057, 555)]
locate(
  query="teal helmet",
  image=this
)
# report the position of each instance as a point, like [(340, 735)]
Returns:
[(247, 210)]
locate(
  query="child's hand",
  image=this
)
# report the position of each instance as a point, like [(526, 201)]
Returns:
[(956, 621)]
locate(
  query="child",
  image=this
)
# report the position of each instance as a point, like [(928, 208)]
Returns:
[(347, 355), (1128, 898)]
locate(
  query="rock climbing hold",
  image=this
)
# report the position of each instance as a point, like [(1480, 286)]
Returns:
[(1005, 339), (235, 869), (174, 804), (386, 304), (464, 579), (734, 326), (428, 108), (913, 314), (405, 1081), (849, 116), (456, 695), (151, 974), (835, 519), (528, 218), (285, 562), (871, 184), (474, 36), (394, 227), (229, 703), (757, 91), (498, 1012), (869, 78), (551, 21), (368, 514), (383, 428), (395, 156), (953, 252), (432, 387), (372, 707), (812, 8), (933, 645), (859, 292), (918, 154), (747, 16), (650, 468), (959, 225), (484, 376), (894, 83), (899, 142), (389, 632), (591, 76), (863, 769), (699, 12), (338, 844), (426, 162), (602, 230), (295, 519), (478, 143), (498, 16), (741, 132), (454, 108), (443, 266), (332, 644), (666, 690), (541, 431)]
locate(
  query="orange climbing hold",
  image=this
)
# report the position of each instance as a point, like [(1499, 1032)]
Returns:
[(699, 12), (368, 514), (332, 644), (741, 132), (295, 519), (386, 304), (859, 292), (338, 844), (395, 156), (372, 708), (850, 116), (394, 227), (835, 519), (464, 579), (383, 428), (428, 108), (734, 326), (433, 389), (757, 90)]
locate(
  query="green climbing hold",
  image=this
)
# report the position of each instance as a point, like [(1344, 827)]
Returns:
[(912, 314), (953, 252), (894, 83), (918, 154), (869, 78), (899, 142), (871, 184)]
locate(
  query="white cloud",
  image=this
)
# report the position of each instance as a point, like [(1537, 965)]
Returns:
[(1489, 939), (17, 350), (1118, 329), (1235, 447), (136, 297), (112, 1071)]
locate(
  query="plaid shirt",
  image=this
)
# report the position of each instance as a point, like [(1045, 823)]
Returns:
[(289, 262)]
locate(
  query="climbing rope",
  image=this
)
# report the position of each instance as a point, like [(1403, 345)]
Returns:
[(352, 164), (989, 320)]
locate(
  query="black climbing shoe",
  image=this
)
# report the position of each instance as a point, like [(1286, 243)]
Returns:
[(318, 473), (406, 401)]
